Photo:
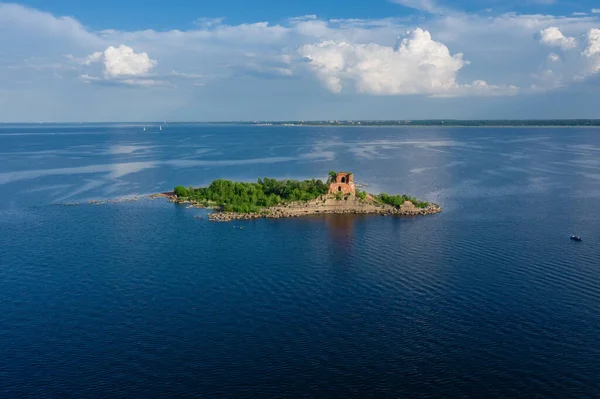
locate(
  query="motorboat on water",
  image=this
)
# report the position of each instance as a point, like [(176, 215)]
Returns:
[(575, 238)]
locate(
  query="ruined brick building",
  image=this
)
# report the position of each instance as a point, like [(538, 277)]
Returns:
[(343, 183)]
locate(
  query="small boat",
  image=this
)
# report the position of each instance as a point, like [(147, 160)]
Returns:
[(160, 128), (144, 129), (575, 238)]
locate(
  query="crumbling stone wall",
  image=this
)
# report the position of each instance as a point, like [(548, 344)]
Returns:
[(344, 183)]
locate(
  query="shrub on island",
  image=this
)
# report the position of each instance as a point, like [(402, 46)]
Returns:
[(398, 200), (361, 194), (182, 192)]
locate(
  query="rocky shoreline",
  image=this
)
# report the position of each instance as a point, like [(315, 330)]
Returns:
[(109, 201), (277, 214), (324, 205)]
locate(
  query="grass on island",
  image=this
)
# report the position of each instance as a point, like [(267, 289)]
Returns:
[(241, 197)]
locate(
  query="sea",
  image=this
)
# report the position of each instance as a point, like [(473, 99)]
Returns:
[(148, 299)]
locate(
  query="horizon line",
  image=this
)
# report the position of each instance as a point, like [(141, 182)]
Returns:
[(311, 121)]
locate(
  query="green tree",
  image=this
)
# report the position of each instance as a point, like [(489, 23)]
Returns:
[(181, 191), (252, 197), (332, 175)]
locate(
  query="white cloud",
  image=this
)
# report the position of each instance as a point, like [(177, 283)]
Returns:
[(123, 65), (592, 51), (593, 47), (595, 10), (123, 61), (571, 69), (418, 65), (312, 28), (552, 36), (35, 24)]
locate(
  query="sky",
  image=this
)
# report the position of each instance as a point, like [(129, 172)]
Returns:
[(235, 60)]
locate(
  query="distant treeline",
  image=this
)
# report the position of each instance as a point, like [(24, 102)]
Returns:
[(440, 122)]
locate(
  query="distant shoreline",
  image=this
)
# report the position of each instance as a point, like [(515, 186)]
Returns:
[(426, 126), (443, 123), (357, 123)]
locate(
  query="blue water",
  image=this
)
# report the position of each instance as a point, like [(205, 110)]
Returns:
[(141, 300)]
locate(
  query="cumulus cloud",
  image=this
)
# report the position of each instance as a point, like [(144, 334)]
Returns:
[(122, 61), (123, 65), (593, 47), (592, 51), (552, 36), (418, 65), (595, 10), (559, 72)]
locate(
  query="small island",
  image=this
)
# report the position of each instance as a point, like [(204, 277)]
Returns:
[(271, 198)]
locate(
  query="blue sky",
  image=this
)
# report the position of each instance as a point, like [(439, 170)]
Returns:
[(160, 14), (178, 14), (130, 60)]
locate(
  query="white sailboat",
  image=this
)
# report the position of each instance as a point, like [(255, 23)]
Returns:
[(160, 128), (144, 129)]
